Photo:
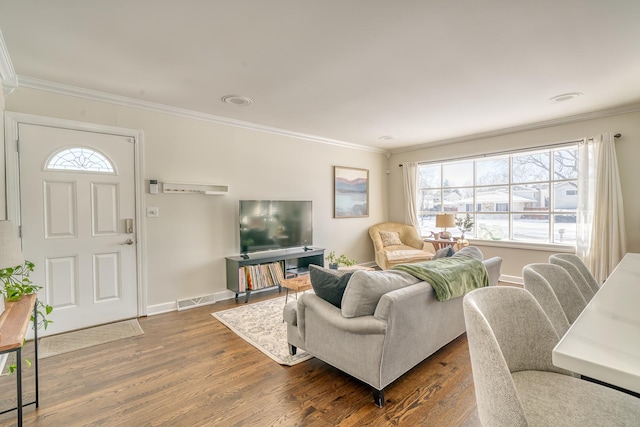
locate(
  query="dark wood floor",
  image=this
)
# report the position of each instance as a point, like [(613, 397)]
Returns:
[(190, 370)]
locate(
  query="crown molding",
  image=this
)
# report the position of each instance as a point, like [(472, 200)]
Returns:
[(94, 95), (12, 81), (7, 73), (633, 108)]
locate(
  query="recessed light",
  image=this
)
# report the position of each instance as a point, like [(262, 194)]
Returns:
[(240, 101), (565, 96), (385, 137)]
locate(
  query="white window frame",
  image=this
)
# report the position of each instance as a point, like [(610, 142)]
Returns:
[(552, 241)]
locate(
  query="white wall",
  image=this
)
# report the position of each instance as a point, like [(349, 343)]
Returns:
[(628, 154), (187, 244)]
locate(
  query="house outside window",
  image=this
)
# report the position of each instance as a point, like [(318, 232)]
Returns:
[(528, 196)]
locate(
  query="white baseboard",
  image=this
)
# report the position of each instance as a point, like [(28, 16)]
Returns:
[(511, 279), (369, 264), (173, 305), (225, 295), (162, 308)]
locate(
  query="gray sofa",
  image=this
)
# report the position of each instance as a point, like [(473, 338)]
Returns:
[(389, 322)]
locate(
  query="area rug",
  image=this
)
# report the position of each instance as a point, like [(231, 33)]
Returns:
[(260, 324), (84, 338)]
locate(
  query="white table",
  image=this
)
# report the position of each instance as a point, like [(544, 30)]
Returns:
[(604, 341)]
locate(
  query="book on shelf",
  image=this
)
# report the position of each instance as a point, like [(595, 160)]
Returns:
[(242, 280), (260, 276)]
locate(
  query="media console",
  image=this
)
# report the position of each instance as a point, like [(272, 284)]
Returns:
[(264, 270)]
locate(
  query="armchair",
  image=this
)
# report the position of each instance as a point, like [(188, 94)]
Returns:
[(396, 243)]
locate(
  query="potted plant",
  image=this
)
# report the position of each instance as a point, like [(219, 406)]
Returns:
[(464, 224), (336, 261), (15, 283)]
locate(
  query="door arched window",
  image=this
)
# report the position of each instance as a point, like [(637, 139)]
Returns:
[(80, 159)]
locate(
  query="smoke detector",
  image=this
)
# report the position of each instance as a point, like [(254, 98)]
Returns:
[(240, 101), (565, 96)]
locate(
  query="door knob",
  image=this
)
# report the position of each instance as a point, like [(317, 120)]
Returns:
[(128, 242)]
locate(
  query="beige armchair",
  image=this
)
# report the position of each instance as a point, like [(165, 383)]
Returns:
[(396, 243)]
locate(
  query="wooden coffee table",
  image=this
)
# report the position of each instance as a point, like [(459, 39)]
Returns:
[(296, 284)]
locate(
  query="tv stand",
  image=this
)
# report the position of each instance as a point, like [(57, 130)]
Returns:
[(293, 261)]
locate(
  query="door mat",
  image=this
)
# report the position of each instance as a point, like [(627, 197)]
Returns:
[(84, 338)]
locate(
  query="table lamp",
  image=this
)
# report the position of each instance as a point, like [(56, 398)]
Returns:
[(10, 251), (443, 221)]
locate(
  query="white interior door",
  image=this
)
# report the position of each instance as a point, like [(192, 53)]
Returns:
[(77, 205)]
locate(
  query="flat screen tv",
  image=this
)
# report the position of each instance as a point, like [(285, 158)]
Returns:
[(275, 224)]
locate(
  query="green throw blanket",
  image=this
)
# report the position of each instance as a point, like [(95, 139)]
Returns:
[(450, 277)]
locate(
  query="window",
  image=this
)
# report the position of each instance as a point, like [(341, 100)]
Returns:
[(529, 196), (80, 159)]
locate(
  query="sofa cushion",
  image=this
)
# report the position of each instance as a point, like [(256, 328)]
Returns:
[(406, 254), (390, 238), (365, 288), (471, 252), (329, 284)]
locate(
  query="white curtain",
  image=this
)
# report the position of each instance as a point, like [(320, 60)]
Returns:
[(409, 176), (601, 240)]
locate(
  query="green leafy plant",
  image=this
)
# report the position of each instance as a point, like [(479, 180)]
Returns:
[(465, 224), (339, 260), (15, 284)]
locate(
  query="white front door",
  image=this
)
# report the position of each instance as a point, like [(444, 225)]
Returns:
[(77, 206)]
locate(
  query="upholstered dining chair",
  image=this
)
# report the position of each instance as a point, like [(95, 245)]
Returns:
[(539, 287), (565, 289), (510, 342), (573, 264)]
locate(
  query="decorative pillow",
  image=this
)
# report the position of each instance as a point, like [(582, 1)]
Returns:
[(329, 284), (471, 252), (365, 288), (442, 252), (390, 238)]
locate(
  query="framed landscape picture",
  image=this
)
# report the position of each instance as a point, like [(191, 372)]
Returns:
[(350, 192)]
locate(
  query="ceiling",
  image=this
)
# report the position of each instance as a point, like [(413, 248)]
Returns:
[(381, 74)]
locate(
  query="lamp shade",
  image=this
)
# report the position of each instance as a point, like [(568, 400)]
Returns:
[(445, 220), (10, 251)]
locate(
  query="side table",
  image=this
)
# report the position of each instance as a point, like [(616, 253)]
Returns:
[(441, 243), (296, 284), (13, 328)]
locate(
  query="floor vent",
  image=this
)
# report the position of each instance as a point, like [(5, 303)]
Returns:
[(196, 302)]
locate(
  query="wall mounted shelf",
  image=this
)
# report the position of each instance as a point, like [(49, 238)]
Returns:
[(182, 188)]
